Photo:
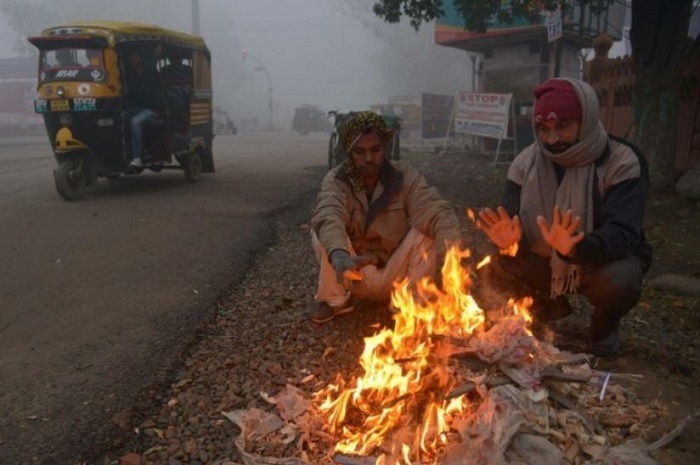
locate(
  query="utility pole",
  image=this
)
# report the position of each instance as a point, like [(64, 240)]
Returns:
[(261, 67), (555, 37), (195, 17)]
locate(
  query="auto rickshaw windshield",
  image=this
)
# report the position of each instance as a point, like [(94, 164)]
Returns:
[(72, 58), (85, 60)]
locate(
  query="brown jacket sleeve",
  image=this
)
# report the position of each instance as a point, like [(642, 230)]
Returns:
[(332, 212), (429, 212)]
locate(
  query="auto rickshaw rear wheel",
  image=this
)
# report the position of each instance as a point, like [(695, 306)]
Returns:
[(192, 164), (70, 179)]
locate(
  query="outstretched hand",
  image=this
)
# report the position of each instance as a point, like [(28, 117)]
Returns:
[(561, 235), (345, 264), (500, 228)]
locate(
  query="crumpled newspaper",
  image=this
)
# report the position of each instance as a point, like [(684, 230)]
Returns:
[(256, 424)]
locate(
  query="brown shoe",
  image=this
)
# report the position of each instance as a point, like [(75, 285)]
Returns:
[(321, 312)]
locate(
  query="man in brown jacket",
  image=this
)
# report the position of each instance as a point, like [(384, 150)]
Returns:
[(375, 222)]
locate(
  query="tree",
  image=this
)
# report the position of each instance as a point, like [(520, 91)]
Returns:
[(658, 37)]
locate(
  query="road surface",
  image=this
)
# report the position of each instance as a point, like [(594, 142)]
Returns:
[(99, 297)]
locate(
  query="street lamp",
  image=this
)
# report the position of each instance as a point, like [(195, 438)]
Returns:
[(261, 67)]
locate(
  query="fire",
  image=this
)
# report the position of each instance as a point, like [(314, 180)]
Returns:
[(398, 408)]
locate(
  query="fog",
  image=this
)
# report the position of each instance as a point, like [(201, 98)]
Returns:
[(332, 53)]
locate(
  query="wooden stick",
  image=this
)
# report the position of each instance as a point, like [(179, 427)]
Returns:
[(553, 373), (567, 403), (470, 386)]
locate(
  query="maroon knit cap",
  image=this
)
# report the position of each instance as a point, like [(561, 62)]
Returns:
[(556, 100)]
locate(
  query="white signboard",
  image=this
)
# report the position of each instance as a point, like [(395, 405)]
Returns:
[(554, 26), (482, 114)]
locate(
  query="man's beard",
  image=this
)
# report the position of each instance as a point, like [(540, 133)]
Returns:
[(558, 148)]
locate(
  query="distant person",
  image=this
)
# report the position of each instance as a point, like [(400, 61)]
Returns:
[(179, 82), (574, 203), (375, 222), (142, 86)]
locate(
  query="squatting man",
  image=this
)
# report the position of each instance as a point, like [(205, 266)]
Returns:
[(376, 222), (574, 203)]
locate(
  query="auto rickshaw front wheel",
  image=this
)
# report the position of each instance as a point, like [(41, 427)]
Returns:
[(192, 164), (70, 179)]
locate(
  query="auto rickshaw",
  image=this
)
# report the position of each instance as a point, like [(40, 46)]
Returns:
[(85, 99)]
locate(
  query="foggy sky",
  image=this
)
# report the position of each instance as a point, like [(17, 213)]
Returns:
[(317, 55), (314, 52)]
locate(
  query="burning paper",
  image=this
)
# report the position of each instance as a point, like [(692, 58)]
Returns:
[(444, 386)]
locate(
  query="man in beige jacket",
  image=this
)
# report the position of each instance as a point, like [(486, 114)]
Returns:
[(375, 222)]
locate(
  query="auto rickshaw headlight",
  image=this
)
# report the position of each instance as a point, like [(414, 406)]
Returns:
[(66, 119), (60, 91)]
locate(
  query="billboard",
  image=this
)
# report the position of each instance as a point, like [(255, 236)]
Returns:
[(580, 23), (482, 114), (450, 27)]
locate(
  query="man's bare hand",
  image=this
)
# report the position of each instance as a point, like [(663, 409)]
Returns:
[(503, 230), (561, 235)]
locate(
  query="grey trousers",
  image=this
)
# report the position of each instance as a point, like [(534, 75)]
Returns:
[(612, 288)]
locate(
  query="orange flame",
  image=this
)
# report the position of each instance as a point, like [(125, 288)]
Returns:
[(511, 250), (397, 408)]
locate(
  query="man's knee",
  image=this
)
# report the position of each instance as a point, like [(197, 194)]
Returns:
[(525, 274), (617, 285)]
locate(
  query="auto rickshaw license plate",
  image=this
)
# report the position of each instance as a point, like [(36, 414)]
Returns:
[(60, 105)]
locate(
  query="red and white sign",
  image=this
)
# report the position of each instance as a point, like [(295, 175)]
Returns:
[(482, 114)]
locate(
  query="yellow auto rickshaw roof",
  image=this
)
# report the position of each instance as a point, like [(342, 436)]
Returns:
[(118, 31)]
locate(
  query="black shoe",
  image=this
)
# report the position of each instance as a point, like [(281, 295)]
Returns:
[(608, 346), (546, 310), (321, 312)]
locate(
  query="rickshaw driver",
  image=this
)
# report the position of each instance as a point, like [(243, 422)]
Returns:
[(142, 85), (64, 57)]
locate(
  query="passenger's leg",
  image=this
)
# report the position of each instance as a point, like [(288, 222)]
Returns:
[(138, 122)]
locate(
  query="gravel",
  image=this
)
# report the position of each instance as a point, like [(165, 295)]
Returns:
[(261, 340)]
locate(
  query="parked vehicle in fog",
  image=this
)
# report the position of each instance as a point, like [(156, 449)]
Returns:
[(309, 118)]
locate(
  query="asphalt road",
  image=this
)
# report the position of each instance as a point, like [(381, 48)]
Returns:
[(99, 297)]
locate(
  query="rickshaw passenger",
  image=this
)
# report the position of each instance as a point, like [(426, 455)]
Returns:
[(142, 86), (178, 76)]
